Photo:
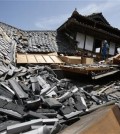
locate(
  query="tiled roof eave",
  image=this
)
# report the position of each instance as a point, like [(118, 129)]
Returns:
[(93, 28)]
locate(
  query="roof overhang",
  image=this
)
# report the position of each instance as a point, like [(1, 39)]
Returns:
[(75, 26)]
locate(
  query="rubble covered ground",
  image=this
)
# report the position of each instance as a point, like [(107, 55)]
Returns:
[(33, 100)]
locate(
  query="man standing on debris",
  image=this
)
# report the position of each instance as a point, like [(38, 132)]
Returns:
[(105, 49)]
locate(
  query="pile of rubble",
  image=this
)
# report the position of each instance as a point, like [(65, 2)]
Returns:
[(7, 48), (96, 70), (37, 41), (33, 100)]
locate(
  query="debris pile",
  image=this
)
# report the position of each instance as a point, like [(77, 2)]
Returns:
[(33, 100), (116, 59), (7, 47)]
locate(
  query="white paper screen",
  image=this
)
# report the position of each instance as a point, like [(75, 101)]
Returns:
[(81, 39), (89, 43), (112, 48)]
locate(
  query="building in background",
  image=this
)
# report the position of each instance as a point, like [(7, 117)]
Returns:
[(83, 34), (89, 32)]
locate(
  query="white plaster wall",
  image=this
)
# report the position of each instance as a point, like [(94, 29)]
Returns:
[(112, 48), (81, 39), (89, 43)]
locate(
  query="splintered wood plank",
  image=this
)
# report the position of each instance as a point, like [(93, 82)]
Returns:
[(40, 59), (74, 70), (97, 68), (31, 58), (48, 59), (21, 58), (56, 59)]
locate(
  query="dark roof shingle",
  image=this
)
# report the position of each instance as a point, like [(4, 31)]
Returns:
[(37, 41)]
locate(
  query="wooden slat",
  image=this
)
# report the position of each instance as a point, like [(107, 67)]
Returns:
[(21, 58), (56, 59), (31, 58), (83, 70), (48, 59), (40, 59), (74, 70)]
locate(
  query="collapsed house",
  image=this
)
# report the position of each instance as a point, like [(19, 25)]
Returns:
[(32, 99), (88, 32), (78, 33)]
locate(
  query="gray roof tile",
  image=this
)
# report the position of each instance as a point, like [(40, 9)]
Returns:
[(37, 41)]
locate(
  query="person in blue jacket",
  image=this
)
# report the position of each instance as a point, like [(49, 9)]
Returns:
[(104, 50)]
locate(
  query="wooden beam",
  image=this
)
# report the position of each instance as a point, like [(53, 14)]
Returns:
[(48, 59), (55, 59), (40, 58), (31, 58), (21, 58)]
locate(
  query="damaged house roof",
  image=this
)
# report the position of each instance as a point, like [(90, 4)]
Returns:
[(7, 47), (38, 41), (33, 100), (55, 41), (95, 25)]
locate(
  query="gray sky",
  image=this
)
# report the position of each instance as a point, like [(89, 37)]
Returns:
[(50, 14)]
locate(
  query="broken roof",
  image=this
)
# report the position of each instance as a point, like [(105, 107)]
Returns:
[(54, 41), (7, 47), (95, 23), (38, 41)]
